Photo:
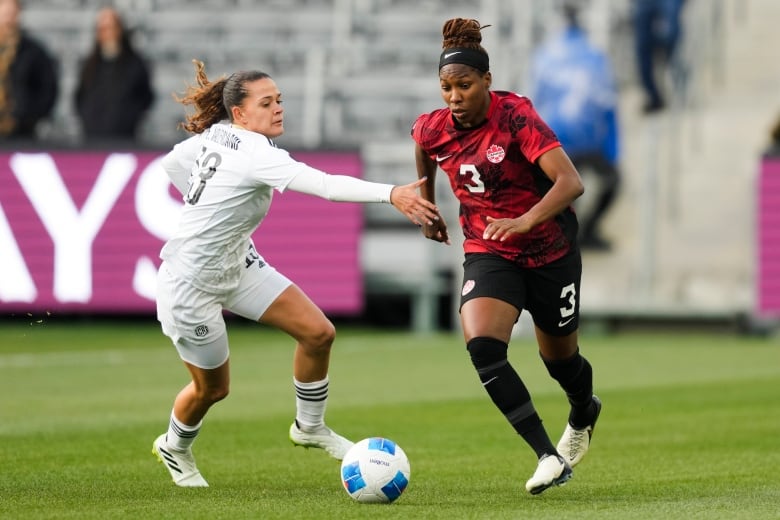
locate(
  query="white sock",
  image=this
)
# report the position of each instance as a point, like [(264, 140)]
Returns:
[(310, 401), (181, 436)]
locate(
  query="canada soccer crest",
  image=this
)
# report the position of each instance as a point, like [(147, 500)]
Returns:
[(495, 154)]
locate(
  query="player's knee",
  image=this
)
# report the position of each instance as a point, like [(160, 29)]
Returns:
[(219, 393), (213, 393), (486, 351), (326, 335), (320, 338)]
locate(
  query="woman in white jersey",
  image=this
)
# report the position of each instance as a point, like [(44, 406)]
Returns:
[(227, 172)]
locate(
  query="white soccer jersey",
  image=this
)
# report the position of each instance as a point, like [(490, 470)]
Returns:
[(227, 176)]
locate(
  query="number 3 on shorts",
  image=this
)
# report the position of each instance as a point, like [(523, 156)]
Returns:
[(569, 294)]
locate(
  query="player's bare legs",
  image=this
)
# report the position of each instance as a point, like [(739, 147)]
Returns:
[(174, 448), (556, 347), (488, 317), (294, 313), (207, 387)]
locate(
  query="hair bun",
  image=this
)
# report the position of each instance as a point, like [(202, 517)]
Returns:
[(462, 32)]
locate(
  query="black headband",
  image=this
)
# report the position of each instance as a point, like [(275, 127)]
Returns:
[(471, 57)]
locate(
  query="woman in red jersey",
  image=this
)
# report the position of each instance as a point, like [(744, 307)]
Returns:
[(515, 185)]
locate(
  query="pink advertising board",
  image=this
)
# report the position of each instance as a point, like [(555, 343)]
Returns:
[(80, 232), (768, 278)]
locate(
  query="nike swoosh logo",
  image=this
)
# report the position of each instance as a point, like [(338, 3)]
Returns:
[(489, 380), (451, 54), (443, 157), (563, 323)]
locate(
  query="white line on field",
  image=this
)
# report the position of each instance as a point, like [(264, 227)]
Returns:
[(59, 359)]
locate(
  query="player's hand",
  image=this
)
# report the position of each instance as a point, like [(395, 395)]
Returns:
[(417, 209), (503, 228), (437, 231)]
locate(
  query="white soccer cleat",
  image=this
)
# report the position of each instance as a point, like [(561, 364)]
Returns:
[(323, 438), (574, 443), (180, 464), (552, 470)]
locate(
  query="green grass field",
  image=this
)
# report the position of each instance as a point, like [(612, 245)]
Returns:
[(690, 428)]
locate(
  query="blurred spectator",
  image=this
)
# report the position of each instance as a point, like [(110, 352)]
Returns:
[(657, 31), (574, 89), (114, 88), (28, 77), (774, 139)]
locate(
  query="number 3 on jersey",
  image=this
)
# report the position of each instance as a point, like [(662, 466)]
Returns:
[(473, 181), (205, 168)]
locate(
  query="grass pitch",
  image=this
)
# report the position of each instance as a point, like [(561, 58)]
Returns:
[(690, 428)]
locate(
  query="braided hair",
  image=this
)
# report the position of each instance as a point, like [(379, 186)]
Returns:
[(462, 43), (462, 32)]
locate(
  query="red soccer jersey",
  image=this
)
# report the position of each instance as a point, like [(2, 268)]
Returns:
[(492, 170)]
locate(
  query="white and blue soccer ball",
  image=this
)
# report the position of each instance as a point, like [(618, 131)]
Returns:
[(375, 470)]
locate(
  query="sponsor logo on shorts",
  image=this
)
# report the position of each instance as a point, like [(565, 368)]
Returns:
[(468, 287), (563, 323), (495, 154), (201, 330)]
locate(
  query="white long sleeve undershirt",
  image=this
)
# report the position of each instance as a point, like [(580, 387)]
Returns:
[(342, 188)]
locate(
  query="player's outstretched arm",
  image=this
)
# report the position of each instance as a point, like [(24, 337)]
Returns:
[(343, 188)]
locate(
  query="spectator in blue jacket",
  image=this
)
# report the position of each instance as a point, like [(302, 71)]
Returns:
[(573, 87)]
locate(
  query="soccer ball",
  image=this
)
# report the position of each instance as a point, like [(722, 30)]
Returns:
[(375, 470)]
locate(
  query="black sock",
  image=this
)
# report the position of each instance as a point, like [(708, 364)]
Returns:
[(575, 375), (508, 392)]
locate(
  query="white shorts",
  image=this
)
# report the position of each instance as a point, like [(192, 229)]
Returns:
[(193, 318)]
